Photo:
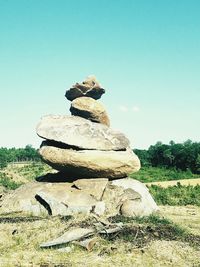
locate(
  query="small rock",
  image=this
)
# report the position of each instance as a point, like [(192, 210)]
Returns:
[(65, 250), (131, 208), (88, 108), (90, 87)]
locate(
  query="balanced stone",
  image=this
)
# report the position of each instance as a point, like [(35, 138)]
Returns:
[(91, 163), (90, 87), (88, 108), (81, 133)]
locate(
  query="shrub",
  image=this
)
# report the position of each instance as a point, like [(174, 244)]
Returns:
[(176, 195), (154, 174)]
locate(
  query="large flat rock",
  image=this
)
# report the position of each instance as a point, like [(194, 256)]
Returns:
[(90, 109), (81, 133), (100, 196), (48, 198), (91, 163)]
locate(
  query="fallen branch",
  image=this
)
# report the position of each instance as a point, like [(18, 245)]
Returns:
[(87, 243), (111, 230)]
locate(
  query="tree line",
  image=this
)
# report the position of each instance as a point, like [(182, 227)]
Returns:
[(8, 155), (181, 156)]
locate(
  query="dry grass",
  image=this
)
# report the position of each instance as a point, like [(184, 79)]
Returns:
[(24, 173), (21, 237), (14, 175), (186, 216)]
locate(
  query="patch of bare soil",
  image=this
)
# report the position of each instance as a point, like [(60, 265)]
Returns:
[(185, 182), (185, 216)]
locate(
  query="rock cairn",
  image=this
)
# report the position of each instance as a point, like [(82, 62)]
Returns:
[(93, 162), (83, 145)]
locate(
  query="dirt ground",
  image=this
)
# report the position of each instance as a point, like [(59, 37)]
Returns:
[(186, 216), (186, 182), (21, 237)]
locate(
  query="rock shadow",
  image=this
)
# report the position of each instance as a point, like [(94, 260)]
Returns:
[(58, 177)]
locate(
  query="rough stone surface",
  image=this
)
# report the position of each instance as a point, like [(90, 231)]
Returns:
[(48, 198), (91, 163), (81, 133), (133, 205), (88, 108), (95, 187), (70, 235), (2, 189), (131, 208), (90, 88), (100, 208), (123, 196)]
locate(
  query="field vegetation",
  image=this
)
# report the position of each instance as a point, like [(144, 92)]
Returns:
[(14, 174), (180, 156), (153, 241), (169, 238), (155, 174), (8, 155)]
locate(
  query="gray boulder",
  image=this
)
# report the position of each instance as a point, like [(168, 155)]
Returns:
[(91, 163), (41, 198), (124, 196), (81, 133), (139, 202)]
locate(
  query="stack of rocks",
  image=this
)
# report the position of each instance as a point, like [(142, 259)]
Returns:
[(93, 162), (83, 145)]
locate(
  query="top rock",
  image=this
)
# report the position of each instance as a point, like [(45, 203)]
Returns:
[(90, 88)]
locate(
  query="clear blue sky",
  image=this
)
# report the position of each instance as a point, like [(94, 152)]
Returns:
[(146, 53)]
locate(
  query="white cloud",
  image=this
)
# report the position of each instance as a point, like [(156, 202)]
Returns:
[(123, 108), (135, 109)]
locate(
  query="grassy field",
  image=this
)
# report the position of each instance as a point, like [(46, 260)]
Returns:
[(170, 238), (167, 188), (14, 175), (152, 174), (179, 195), (153, 241)]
